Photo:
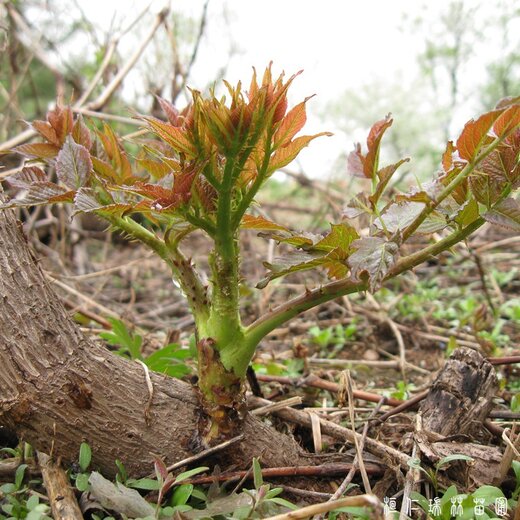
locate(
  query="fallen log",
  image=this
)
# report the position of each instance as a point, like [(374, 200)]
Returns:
[(58, 388)]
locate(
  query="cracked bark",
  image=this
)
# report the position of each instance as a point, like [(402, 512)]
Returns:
[(58, 388)]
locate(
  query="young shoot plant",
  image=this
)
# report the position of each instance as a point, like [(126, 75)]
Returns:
[(202, 168)]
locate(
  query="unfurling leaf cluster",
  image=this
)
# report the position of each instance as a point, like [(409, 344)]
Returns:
[(215, 148), (202, 167)]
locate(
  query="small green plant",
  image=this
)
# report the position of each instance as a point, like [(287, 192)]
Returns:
[(169, 359), (81, 477), (202, 169), (402, 390), (260, 502), (129, 343), (332, 339), (16, 501), (432, 474)]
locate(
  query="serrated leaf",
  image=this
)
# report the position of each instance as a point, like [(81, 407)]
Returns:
[(291, 263), (447, 156), (467, 213), (291, 124), (486, 189), (505, 213), (103, 169), (399, 216), (169, 110), (27, 176), (45, 129), (73, 164), (157, 169), (355, 161), (302, 240), (117, 155), (38, 150), (370, 164), (384, 175), (372, 259), (61, 119), (475, 134), (81, 133), (40, 193), (361, 165), (285, 155), (259, 222), (176, 137), (87, 201), (340, 237), (507, 121), (357, 206), (502, 164), (329, 252)]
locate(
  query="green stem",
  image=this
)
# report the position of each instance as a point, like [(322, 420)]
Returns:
[(255, 332), (181, 267), (253, 190), (448, 190)]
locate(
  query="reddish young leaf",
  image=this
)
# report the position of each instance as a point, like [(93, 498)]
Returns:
[(160, 469), (486, 189), (174, 136), (27, 176), (158, 169), (116, 154), (283, 156), (61, 120), (355, 161), (508, 121), (384, 175), (103, 169), (505, 213), (370, 164), (171, 113), (73, 164), (38, 150), (447, 156), (259, 222), (206, 193), (362, 165), (45, 129), (39, 193), (475, 134), (81, 133), (87, 201), (290, 125)]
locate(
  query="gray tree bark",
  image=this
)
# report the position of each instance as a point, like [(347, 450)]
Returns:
[(58, 388)]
